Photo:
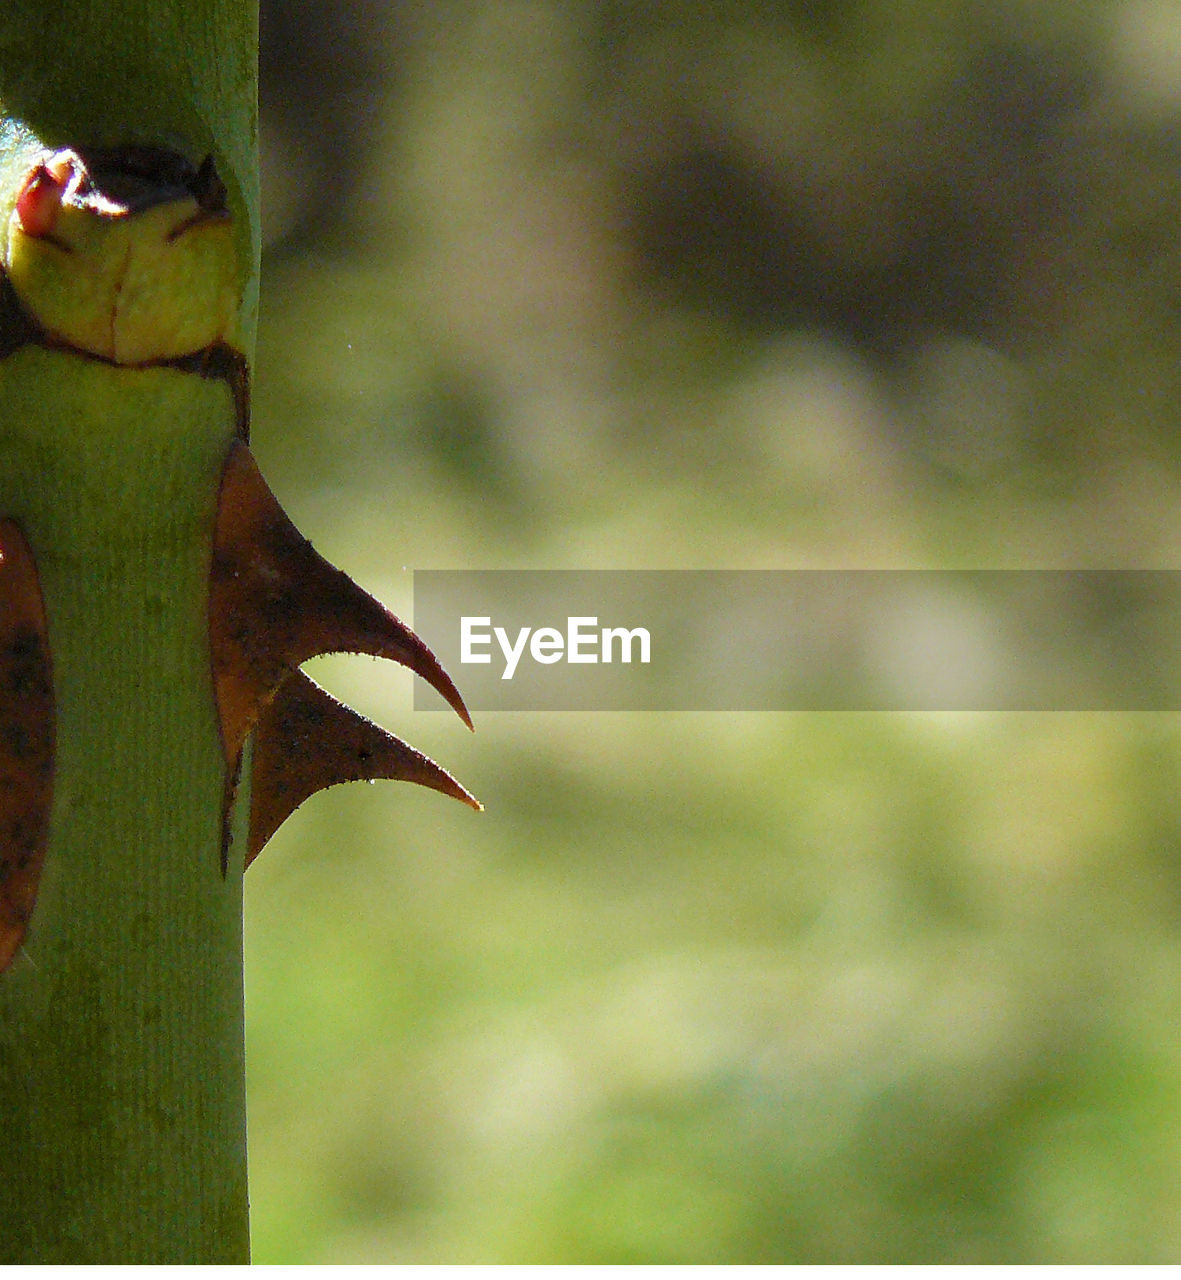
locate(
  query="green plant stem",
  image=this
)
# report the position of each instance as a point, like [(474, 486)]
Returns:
[(122, 1109)]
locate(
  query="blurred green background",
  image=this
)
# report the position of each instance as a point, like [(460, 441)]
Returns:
[(749, 285)]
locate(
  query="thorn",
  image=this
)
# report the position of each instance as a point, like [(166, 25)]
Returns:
[(26, 738), (274, 602), (306, 741)]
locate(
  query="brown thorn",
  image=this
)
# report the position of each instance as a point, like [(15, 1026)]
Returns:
[(306, 741), (274, 602), (26, 738)]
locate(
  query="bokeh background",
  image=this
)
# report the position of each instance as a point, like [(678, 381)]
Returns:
[(615, 284)]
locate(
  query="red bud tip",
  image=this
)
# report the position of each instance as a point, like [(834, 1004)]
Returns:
[(40, 199)]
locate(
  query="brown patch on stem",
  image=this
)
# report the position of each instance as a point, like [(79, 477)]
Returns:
[(26, 738), (306, 740)]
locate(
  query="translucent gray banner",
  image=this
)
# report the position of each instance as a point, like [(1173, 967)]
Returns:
[(796, 640)]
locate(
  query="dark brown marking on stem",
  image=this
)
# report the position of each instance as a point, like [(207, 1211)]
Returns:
[(26, 738), (306, 741)]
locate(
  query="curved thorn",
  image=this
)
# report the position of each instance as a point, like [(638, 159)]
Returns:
[(306, 740), (275, 602), (26, 738)]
